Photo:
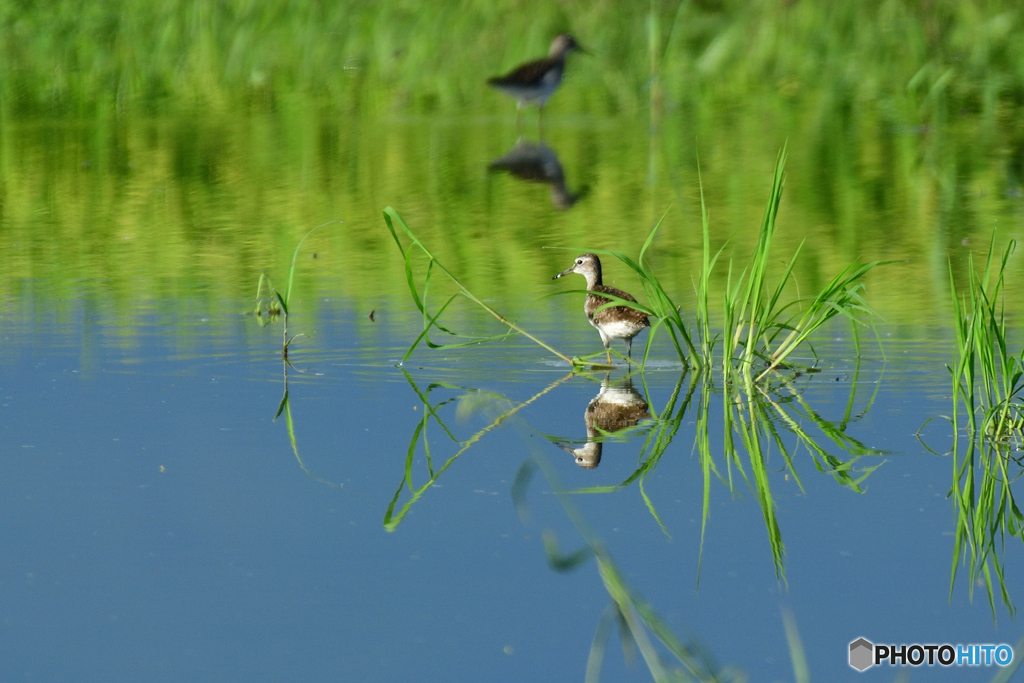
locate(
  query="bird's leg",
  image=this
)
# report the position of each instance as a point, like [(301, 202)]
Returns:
[(607, 341), (519, 109), (629, 350)]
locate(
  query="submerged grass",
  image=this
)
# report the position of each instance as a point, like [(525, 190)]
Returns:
[(766, 418), (285, 407), (667, 656), (986, 513), (761, 420)]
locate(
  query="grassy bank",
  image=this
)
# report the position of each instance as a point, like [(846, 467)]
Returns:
[(75, 56)]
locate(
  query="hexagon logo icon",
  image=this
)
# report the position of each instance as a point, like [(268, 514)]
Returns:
[(861, 654)]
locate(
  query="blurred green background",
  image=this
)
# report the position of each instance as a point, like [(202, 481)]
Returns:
[(157, 156)]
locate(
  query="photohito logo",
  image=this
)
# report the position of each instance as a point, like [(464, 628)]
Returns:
[(865, 654)]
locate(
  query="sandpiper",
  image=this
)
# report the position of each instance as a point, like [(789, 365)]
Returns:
[(536, 81), (614, 322)]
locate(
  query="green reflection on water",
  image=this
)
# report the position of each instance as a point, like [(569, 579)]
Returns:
[(761, 419), (756, 419), (171, 153)]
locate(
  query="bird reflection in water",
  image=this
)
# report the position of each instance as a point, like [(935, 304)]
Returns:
[(536, 162), (615, 408)]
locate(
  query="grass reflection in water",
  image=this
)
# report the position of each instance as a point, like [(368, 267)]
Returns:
[(468, 400), (772, 417), (775, 417), (988, 429), (754, 423)]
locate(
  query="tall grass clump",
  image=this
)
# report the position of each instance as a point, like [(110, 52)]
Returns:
[(760, 331), (986, 375), (760, 424), (987, 384), (757, 326)]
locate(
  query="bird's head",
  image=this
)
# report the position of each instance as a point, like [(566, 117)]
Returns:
[(587, 265), (563, 45)]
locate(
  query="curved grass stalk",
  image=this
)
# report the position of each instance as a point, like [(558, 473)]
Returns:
[(707, 341), (392, 218)]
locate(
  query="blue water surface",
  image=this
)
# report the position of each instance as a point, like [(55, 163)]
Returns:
[(158, 525)]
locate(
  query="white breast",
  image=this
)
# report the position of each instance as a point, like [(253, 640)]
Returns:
[(620, 330)]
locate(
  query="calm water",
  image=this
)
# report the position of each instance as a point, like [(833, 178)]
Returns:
[(160, 524)]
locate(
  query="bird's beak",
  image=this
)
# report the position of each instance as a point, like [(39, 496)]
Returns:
[(564, 272)]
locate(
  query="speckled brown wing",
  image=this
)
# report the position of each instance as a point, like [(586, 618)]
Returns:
[(614, 313), (530, 73)]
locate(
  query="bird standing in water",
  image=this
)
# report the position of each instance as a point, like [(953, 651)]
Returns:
[(614, 322), (536, 81)]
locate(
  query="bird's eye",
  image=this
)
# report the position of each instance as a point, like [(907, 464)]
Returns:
[(579, 262)]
